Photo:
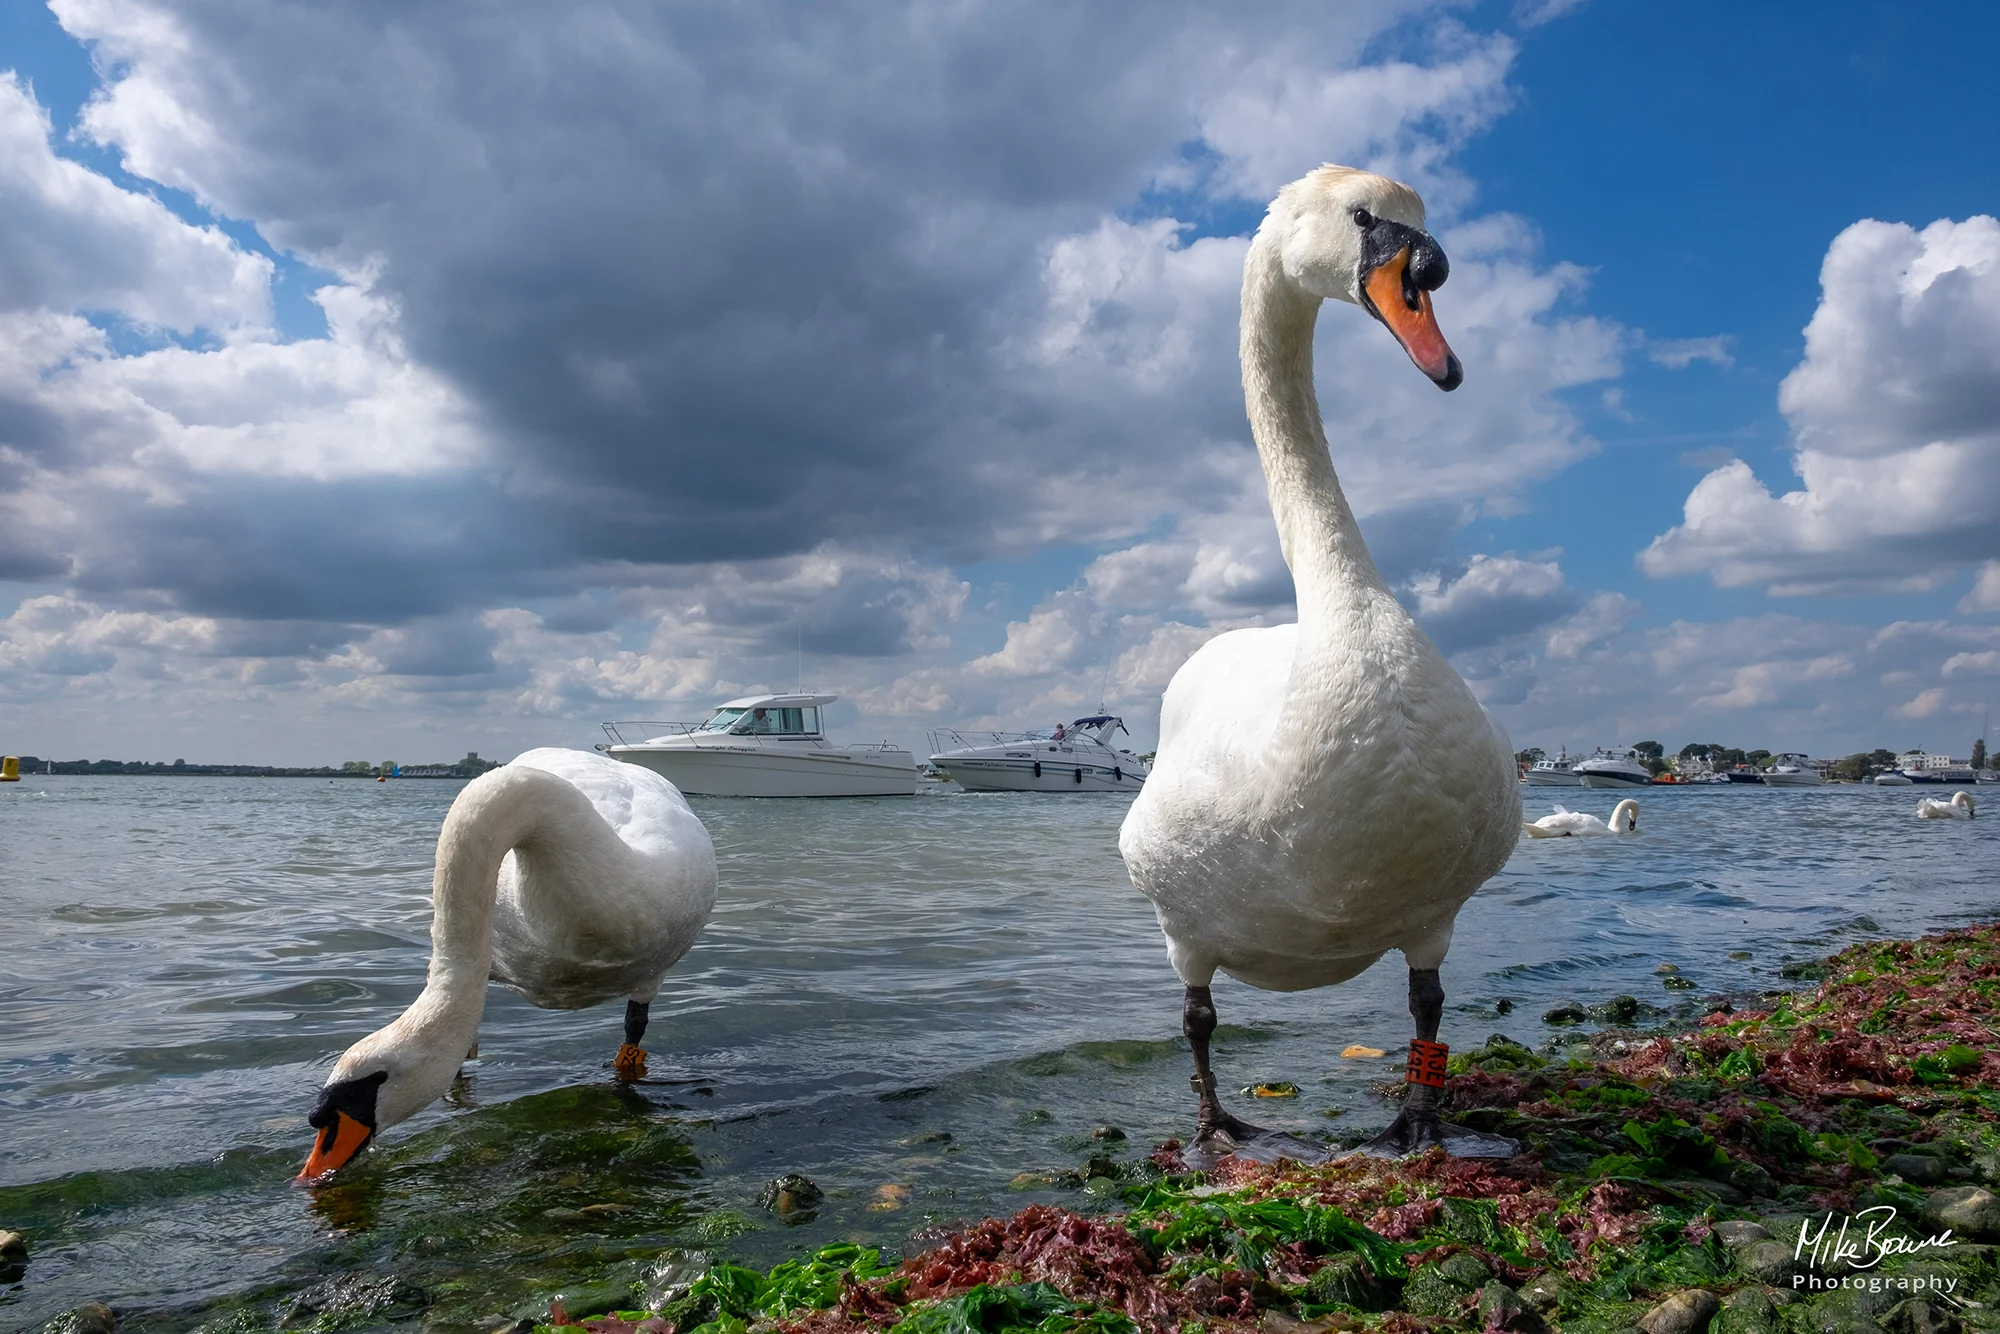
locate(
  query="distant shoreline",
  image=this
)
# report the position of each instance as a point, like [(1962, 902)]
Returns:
[(34, 766)]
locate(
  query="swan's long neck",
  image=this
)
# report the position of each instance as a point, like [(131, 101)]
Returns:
[(1316, 529), (514, 807)]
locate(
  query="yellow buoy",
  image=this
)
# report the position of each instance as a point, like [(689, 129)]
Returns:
[(10, 769)]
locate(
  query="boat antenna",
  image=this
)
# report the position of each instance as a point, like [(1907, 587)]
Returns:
[(1105, 679)]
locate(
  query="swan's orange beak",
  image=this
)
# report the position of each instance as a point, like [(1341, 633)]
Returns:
[(339, 1140), (1399, 303)]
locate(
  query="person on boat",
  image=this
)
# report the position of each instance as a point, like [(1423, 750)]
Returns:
[(1057, 735)]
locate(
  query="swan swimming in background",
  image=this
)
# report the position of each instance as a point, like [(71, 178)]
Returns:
[(1575, 824), (1958, 808), (1293, 845), (572, 878)]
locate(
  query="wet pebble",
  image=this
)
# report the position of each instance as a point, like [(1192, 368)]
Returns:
[(1668, 968), (1740, 955), (1571, 1013), (790, 1194), (1677, 983), (1108, 1133), (89, 1318), (892, 1195), (1503, 1006), (927, 1137)]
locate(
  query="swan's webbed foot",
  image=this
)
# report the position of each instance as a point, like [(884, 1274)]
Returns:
[(1418, 1128), (629, 1066), (1419, 1131), (1218, 1134)]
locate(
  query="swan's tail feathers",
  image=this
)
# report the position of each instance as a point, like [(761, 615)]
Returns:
[(1536, 831), (1561, 809)]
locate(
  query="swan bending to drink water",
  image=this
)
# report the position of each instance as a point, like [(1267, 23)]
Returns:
[(1958, 808), (1566, 823), (574, 879), (1294, 847)]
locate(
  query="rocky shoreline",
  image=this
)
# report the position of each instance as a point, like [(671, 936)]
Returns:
[(1664, 1185), (1797, 1163)]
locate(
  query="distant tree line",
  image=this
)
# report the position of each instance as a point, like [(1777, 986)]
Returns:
[(469, 767)]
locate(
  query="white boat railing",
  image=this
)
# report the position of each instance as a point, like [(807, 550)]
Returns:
[(654, 729), (730, 740)]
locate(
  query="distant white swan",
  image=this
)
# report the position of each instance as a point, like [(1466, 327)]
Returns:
[(1327, 791), (1575, 824), (568, 876), (1958, 808)]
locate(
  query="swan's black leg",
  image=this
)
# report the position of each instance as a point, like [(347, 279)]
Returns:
[(1418, 1126), (630, 1066), (1215, 1125)]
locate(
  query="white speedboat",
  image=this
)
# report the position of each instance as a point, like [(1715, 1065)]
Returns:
[(1616, 766), (766, 746), (1792, 770), (1556, 770), (1082, 757)]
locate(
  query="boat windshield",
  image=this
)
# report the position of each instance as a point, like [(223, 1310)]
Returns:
[(720, 720), (766, 721)]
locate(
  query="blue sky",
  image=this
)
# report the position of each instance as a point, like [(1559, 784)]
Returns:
[(405, 383)]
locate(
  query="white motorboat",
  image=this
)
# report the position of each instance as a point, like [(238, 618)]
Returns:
[(766, 746), (1556, 770), (1615, 766), (1082, 757), (1792, 770)]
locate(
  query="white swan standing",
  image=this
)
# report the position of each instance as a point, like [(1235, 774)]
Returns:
[(1292, 847), (1958, 808), (1566, 823), (570, 877)]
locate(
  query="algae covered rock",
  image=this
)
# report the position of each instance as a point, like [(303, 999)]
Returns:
[(1547, 1291), (1735, 1232), (1500, 1307), (1445, 1289), (1919, 1169), (1683, 1313), (89, 1318), (791, 1196), (1346, 1280), (1746, 1311), (1918, 1315), (352, 1297), (1969, 1211), (1766, 1262)]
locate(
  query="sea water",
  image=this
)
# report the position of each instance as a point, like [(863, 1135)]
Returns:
[(927, 1006)]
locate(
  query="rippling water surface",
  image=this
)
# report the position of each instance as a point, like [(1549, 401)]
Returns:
[(910, 1001)]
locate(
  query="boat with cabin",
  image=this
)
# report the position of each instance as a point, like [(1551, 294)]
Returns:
[(1792, 769), (1082, 756), (765, 746), (1613, 766), (1557, 770)]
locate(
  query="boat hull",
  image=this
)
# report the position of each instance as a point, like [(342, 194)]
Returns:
[(1601, 780), (1544, 778), (1805, 779), (717, 772), (976, 773)]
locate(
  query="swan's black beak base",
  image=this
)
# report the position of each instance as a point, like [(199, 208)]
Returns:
[(1400, 267), (345, 1120)]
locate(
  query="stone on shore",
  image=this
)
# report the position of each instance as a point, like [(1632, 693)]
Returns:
[(1768, 1262), (1972, 1212), (1683, 1313)]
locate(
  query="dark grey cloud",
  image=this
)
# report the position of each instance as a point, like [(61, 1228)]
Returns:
[(717, 284)]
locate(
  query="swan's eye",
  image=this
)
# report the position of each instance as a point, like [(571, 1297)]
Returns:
[(1363, 219)]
